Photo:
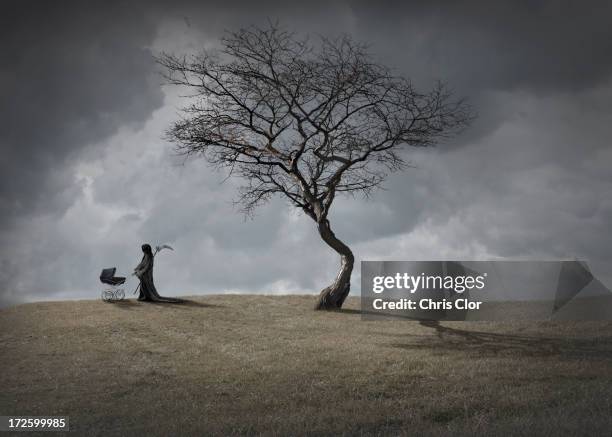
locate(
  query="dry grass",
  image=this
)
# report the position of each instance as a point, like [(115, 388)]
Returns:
[(270, 365)]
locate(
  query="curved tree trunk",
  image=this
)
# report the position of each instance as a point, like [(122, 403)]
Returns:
[(333, 296)]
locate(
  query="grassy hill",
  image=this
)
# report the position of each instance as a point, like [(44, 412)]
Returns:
[(271, 365)]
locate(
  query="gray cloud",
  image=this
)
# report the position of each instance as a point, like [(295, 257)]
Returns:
[(86, 177)]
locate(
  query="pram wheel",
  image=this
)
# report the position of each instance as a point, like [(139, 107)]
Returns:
[(108, 295), (113, 295)]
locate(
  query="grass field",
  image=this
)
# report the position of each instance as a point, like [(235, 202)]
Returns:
[(270, 365)]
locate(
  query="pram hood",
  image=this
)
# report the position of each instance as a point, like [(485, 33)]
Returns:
[(108, 277)]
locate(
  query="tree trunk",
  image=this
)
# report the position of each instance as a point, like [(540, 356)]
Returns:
[(333, 296)]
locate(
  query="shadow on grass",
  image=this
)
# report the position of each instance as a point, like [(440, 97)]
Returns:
[(129, 304), (377, 315), (183, 303), (449, 339), (125, 304)]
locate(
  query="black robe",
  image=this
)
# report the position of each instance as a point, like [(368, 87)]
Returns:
[(148, 292)]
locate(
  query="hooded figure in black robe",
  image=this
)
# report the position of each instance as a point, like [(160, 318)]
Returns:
[(144, 272)]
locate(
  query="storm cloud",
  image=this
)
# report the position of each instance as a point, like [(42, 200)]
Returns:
[(86, 175)]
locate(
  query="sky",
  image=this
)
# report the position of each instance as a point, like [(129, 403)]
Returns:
[(86, 175)]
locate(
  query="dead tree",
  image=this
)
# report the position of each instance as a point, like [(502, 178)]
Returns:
[(308, 121)]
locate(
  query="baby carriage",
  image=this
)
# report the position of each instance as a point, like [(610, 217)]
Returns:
[(112, 293)]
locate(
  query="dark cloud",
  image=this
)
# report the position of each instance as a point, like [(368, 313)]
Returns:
[(542, 46), (479, 48), (72, 74)]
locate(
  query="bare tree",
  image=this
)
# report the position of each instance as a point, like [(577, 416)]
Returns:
[(305, 120)]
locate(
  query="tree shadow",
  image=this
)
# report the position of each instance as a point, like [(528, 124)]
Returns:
[(378, 315), (449, 339)]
